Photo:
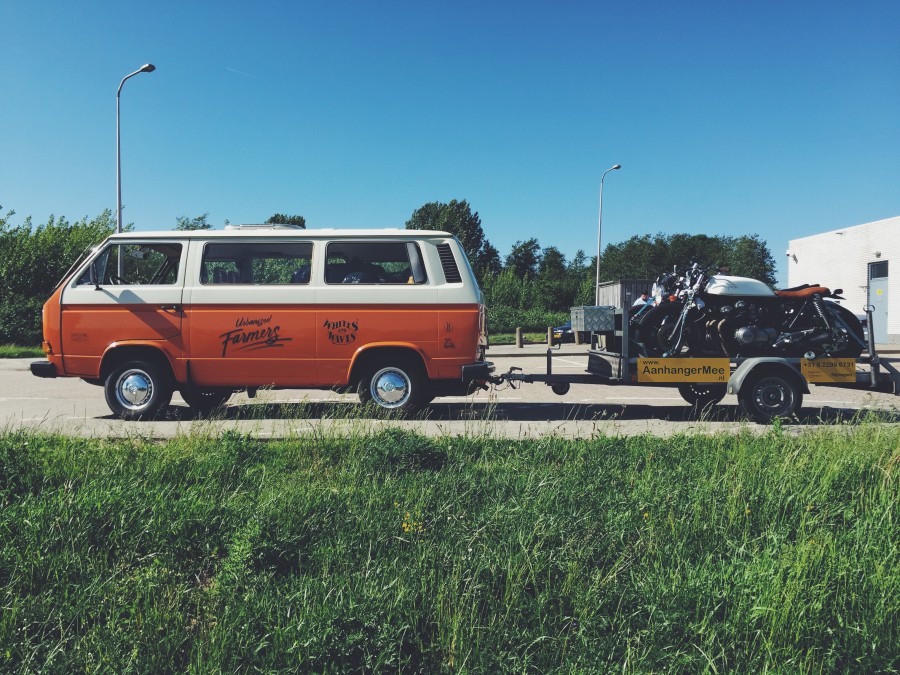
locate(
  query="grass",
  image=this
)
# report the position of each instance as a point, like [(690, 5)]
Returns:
[(391, 551), (20, 352)]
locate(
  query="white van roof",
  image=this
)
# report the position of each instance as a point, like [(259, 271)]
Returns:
[(284, 231)]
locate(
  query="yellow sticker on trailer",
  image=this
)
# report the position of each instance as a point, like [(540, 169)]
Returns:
[(828, 370), (683, 370)]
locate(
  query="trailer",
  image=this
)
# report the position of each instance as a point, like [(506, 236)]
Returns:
[(767, 387)]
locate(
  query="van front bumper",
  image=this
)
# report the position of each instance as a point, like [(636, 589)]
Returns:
[(43, 369), (475, 372)]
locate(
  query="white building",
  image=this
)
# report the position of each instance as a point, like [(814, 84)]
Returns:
[(856, 259)]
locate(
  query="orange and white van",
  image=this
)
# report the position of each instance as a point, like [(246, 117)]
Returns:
[(395, 314)]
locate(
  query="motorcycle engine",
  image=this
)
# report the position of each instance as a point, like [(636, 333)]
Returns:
[(755, 336)]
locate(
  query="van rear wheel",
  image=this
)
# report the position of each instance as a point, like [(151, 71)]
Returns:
[(395, 386), (204, 400), (137, 390)]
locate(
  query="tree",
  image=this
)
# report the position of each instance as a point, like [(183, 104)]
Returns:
[(199, 223), (488, 262), (281, 219), (524, 257), (552, 264), (457, 219), (645, 257)]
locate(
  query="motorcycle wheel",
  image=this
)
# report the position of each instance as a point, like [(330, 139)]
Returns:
[(702, 395), (655, 330), (852, 349)]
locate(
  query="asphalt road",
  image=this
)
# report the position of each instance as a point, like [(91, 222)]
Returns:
[(74, 407)]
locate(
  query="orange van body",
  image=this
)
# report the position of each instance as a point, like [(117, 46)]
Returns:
[(208, 313)]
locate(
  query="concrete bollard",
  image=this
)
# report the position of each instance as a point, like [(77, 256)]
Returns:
[(518, 338), (577, 337)]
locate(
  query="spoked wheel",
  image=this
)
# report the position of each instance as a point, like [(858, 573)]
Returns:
[(855, 341), (657, 329), (205, 400), (137, 390), (702, 395), (770, 396)]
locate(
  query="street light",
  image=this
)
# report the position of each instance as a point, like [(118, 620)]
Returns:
[(599, 227), (146, 68)]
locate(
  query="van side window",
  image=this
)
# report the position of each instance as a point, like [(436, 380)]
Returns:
[(371, 262), (142, 265), (256, 262)]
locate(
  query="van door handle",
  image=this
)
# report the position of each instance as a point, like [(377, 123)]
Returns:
[(170, 308)]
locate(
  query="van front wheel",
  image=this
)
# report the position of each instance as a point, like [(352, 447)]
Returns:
[(137, 390), (393, 387)]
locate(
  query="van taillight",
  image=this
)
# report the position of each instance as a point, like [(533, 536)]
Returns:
[(47, 347), (483, 336)]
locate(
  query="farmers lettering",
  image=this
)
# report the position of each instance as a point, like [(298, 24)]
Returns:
[(341, 332), (252, 335)]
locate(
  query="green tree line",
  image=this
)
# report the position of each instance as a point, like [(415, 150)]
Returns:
[(531, 286)]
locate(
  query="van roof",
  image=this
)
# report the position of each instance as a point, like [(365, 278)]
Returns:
[(259, 231)]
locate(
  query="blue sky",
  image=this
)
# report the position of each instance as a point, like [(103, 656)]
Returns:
[(775, 118)]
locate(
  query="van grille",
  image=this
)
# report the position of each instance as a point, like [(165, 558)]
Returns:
[(448, 262)]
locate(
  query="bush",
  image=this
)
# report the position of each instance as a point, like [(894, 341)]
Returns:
[(32, 261), (507, 319)]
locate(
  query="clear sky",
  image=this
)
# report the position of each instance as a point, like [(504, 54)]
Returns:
[(771, 117)]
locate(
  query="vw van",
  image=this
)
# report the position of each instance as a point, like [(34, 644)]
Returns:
[(396, 315)]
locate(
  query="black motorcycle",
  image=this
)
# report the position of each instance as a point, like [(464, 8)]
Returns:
[(713, 314)]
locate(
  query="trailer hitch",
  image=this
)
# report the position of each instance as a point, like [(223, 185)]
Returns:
[(509, 377)]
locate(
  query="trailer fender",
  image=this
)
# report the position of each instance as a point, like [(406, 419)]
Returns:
[(763, 363)]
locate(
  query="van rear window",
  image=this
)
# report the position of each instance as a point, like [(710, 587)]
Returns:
[(259, 263), (374, 262)]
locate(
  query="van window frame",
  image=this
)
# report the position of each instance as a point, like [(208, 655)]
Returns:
[(83, 278), (241, 271), (413, 256)]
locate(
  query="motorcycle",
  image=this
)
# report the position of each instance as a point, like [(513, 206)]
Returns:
[(710, 313)]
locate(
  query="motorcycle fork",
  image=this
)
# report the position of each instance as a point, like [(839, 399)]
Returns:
[(679, 328)]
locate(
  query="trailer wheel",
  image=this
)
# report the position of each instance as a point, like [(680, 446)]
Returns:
[(137, 390), (702, 395), (769, 396), (560, 388)]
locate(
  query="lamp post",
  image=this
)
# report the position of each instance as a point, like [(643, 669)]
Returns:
[(146, 68), (599, 228)]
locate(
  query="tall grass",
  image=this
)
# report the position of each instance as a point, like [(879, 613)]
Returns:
[(396, 552)]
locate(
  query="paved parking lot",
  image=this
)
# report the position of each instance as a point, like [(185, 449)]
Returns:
[(73, 407)]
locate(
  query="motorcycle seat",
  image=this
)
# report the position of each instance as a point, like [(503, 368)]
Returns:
[(803, 291)]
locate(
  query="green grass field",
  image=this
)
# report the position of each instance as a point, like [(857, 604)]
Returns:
[(392, 552), (20, 352)]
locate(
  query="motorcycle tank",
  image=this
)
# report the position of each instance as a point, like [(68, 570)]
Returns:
[(738, 286)]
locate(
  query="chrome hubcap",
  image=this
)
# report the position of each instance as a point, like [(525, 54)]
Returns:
[(134, 389), (390, 388)]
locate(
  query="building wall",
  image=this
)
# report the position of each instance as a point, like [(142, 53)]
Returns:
[(840, 259)]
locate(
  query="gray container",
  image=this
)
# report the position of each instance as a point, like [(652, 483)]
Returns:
[(593, 319), (622, 293)]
